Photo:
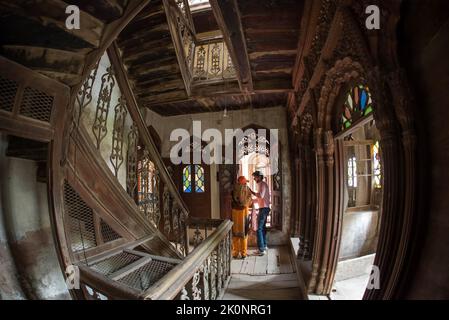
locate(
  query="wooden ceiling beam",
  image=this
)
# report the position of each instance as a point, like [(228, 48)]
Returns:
[(227, 15)]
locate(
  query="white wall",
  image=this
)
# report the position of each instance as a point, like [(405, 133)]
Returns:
[(270, 118), (30, 253)]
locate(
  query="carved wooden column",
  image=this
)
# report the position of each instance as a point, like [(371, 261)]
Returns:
[(402, 101), (310, 166), (392, 189), (321, 208), (295, 220), (301, 200), (328, 210)]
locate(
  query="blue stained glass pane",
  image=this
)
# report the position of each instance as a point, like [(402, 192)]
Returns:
[(363, 100), (199, 179), (187, 179)]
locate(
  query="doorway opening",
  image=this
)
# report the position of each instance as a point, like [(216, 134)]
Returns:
[(361, 156), (257, 162)]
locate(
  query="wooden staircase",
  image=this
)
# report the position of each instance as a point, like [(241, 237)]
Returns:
[(96, 219), (149, 54), (35, 35)]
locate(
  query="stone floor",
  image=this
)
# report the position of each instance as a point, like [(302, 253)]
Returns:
[(350, 289), (270, 277), (351, 278)]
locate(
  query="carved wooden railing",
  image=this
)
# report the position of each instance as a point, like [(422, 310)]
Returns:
[(206, 60), (108, 119), (212, 61), (200, 229), (130, 273)]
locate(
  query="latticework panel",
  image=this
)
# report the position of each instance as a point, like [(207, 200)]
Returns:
[(8, 91), (36, 105), (114, 263), (108, 234), (81, 220), (147, 275)]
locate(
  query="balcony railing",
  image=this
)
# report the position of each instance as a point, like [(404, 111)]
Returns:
[(200, 61), (212, 61), (128, 273)]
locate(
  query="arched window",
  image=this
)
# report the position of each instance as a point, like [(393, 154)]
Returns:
[(187, 179), (199, 178), (358, 104), (193, 183)]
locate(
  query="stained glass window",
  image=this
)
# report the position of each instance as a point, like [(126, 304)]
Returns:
[(199, 179), (352, 172), (187, 179), (357, 105), (376, 166)]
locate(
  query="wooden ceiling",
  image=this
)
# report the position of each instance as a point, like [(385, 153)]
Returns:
[(262, 33), (269, 42), (271, 30)]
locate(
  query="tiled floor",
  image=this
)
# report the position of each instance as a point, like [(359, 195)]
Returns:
[(270, 277)]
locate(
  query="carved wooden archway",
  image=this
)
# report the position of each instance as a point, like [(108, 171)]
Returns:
[(395, 124)]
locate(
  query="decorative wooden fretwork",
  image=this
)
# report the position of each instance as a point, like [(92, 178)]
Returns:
[(216, 57), (36, 104), (196, 292), (84, 96), (213, 62), (80, 220), (166, 213), (131, 163), (116, 157), (8, 91), (107, 233), (99, 127), (147, 275), (197, 237)]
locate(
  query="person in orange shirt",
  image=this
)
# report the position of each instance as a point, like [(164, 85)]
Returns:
[(241, 199)]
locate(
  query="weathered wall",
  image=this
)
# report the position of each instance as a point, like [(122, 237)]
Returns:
[(88, 120), (424, 32), (29, 266), (359, 233), (271, 118)]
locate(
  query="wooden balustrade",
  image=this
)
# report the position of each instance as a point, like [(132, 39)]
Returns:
[(207, 60), (203, 274), (212, 61), (127, 273)]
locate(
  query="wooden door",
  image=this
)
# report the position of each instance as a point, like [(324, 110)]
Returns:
[(227, 175), (276, 199), (193, 183)]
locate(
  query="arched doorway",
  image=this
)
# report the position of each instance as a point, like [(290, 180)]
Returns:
[(252, 152)]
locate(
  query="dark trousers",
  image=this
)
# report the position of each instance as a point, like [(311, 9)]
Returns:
[(262, 229)]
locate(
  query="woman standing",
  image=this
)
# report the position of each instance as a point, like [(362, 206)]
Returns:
[(241, 199)]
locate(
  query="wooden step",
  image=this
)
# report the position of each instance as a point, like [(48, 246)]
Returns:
[(104, 10), (146, 23), (69, 79), (46, 58), (153, 55), (161, 73), (164, 86), (163, 98), (52, 12), (142, 84), (141, 68), (155, 33), (144, 46)]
